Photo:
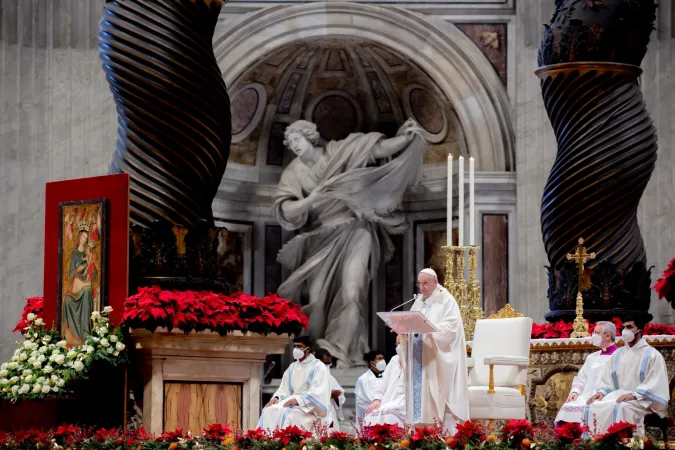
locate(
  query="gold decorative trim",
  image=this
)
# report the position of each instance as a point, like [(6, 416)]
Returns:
[(491, 380), (506, 312)]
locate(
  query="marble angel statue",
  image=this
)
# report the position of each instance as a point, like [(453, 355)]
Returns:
[(344, 202)]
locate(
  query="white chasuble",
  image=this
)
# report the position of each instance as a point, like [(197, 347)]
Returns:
[(639, 370), (366, 385), (585, 385), (440, 380), (307, 382), (391, 394), (335, 410)]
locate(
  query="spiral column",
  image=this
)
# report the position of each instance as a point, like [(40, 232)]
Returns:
[(172, 104), (606, 154)]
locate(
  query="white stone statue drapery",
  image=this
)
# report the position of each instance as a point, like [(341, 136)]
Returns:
[(344, 202)]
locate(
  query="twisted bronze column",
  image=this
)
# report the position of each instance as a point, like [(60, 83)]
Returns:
[(590, 58), (172, 103)]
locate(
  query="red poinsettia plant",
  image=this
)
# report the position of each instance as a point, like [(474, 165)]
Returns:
[(429, 438), (35, 306), (560, 330), (517, 432), (338, 439), (569, 433), (469, 435), (216, 432), (245, 440), (617, 434), (381, 434), (153, 308), (292, 435), (664, 284)]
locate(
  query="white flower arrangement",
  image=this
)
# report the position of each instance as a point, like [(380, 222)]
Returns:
[(42, 365)]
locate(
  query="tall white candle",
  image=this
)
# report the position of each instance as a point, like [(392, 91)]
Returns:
[(449, 212), (472, 200), (460, 201)]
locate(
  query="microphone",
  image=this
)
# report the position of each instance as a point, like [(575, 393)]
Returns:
[(403, 304)]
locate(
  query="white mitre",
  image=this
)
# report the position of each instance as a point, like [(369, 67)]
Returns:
[(430, 272)]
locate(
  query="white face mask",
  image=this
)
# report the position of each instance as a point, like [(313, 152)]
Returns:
[(596, 340), (627, 335), (297, 353), (381, 365)]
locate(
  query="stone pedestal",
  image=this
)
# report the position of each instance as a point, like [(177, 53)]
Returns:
[(192, 380)]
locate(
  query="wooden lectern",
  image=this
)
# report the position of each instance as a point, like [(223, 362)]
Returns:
[(407, 324)]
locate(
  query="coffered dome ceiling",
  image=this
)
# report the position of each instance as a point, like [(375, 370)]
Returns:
[(344, 85)]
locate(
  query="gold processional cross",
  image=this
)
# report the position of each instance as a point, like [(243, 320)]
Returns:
[(580, 256)]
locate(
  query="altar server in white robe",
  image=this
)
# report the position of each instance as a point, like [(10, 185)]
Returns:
[(440, 381), (337, 393), (388, 405), (587, 381), (369, 382), (304, 394), (634, 384)]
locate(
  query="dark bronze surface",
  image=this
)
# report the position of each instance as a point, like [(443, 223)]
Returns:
[(172, 103)]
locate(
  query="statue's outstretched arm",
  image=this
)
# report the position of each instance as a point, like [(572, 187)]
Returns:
[(389, 147)]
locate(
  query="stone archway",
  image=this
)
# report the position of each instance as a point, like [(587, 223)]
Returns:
[(449, 57)]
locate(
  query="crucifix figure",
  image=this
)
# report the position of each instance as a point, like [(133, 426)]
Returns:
[(580, 256)]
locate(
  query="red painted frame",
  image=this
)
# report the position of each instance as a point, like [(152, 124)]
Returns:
[(115, 188)]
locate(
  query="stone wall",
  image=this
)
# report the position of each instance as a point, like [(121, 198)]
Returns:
[(57, 121)]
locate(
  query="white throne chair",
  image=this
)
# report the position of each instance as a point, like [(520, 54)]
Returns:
[(500, 355)]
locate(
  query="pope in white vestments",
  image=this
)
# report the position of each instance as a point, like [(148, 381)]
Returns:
[(304, 394), (588, 379), (388, 405), (369, 382), (634, 384), (440, 381)]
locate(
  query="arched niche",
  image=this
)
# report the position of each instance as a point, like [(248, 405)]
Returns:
[(449, 57)]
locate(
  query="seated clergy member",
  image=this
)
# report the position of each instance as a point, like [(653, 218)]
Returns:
[(368, 383), (634, 383), (304, 394), (586, 383), (388, 404), (337, 394), (439, 359)]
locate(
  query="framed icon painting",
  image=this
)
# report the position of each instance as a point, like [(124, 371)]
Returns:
[(82, 269)]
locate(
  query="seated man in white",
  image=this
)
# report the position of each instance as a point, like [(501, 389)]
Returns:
[(586, 383), (388, 405), (304, 394), (368, 383), (634, 383), (337, 393)]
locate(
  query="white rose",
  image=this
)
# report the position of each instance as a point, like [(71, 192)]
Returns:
[(110, 350), (78, 366), (60, 382), (48, 369), (46, 389), (107, 309), (4, 373), (95, 315), (31, 360), (30, 317), (71, 354), (41, 358), (59, 359), (104, 342), (53, 378), (4, 381), (15, 389), (24, 388), (13, 365), (37, 387), (61, 344), (27, 372), (116, 353), (90, 349), (102, 331), (13, 380), (55, 389), (41, 380), (3, 366), (46, 338), (113, 338), (94, 339), (27, 378), (119, 346), (52, 358), (39, 322), (43, 349)]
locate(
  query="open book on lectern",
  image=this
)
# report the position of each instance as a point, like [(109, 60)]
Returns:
[(407, 322)]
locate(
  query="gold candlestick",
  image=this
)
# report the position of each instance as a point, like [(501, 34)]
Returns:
[(580, 256), (449, 269), (474, 303)]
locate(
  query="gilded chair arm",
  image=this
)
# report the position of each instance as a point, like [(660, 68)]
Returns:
[(505, 360), (470, 363)]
